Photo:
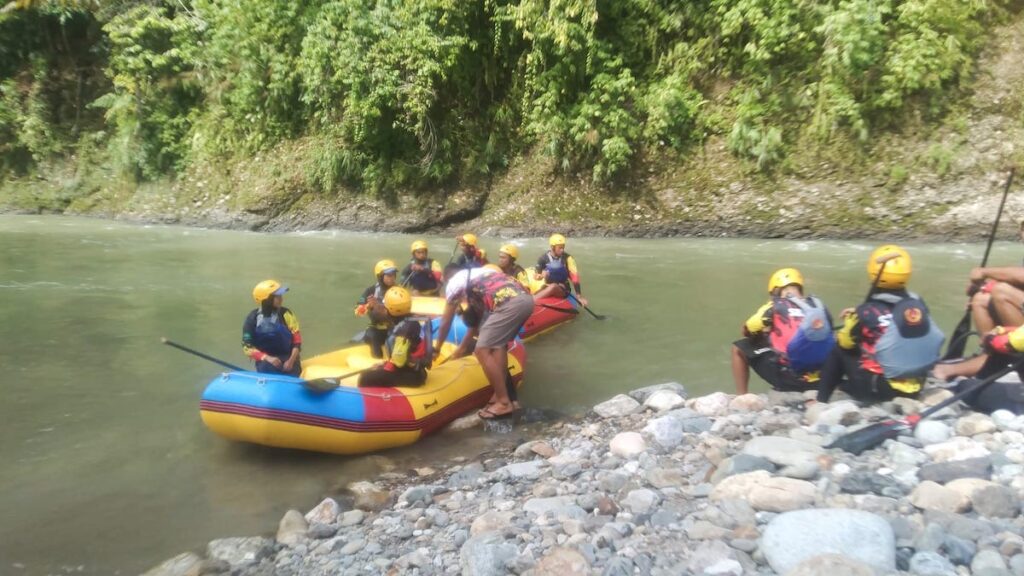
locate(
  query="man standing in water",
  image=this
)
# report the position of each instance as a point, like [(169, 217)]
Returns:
[(270, 334), (505, 306)]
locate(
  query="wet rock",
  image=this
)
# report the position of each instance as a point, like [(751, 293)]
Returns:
[(186, 564), (765, 492), (739, 464), (465, 478), (945, 472), (932, 496), (996, 501), (747, 403), (932, 432), (715, 404), (562, 562), (973, 424), (326, 512), (321, 531), (617, 407), (663, 400), (642, 394), (351, 518), (417, 495), (794, 537), (627, 444), (832, 565), (292, 529), (467, 422), (534, 447), (240, 551), (868, 483), (369, 496), (931, 564)]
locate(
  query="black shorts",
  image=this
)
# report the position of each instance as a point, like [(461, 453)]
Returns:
[(766, 364)]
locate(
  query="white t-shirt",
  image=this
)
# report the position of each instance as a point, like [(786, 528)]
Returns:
[(456, 286)]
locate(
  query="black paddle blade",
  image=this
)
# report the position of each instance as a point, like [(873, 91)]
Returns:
[(958, 341), (870, 436)]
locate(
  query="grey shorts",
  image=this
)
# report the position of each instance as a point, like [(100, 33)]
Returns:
[(502, 325)]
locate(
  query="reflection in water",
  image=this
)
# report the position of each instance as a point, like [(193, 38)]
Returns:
[(106, 464)]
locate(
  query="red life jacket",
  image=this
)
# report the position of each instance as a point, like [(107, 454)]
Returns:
[(797, 343), (487, 292)]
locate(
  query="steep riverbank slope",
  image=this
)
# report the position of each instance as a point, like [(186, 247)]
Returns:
[(927, 181)]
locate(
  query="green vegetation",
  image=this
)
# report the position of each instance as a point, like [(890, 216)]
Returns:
[(392, 95)]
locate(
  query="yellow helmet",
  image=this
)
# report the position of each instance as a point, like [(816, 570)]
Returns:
[(784, 277), (398, 301), (384, 267), (511, 250), (266, 289), (494, 267), (556, 240), (897, 266), (481, 253), (469, 239), (418, 245)]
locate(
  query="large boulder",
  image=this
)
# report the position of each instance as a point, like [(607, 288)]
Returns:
[(832, 565), (240, 551), (368, 496), (562, 562), (292, 529), (617, 407), (642, 394), (931, 496), (486, 555), (795, 537), (187, 564), (326, 512), (627, 445), (766, 492)]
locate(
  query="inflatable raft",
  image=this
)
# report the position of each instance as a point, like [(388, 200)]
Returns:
[(275, 410), (548, 313)]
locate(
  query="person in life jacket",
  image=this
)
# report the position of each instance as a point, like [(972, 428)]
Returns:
[(558, 269), (504, 306), (409, 345), (507, 256), (470, 255), (1003, 346), (787, 340), (270, 334), (888, 344), (422, 274), (471, 320), (371, 305)]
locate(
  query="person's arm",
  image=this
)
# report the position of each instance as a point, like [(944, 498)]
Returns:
[(446, 324), (403, 277), (1005, 340), (758, 321), (248, 348), (292, 322), (467, 343), (435, 269), (363, 302), (574, 275), (845, 337), (542, 264), (1010, 274)]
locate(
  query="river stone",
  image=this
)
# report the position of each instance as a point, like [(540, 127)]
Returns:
[(560, 506), (351, 518), (996, 501), (562, 562), (417, 495), (944, 472), (783, 451), (707, 554), (467, 422), (292, 528), (841, 413), (794, 537), (240, 551), (967, 486), (369, 496), (662, 400), (326, 512), (667, 432), (529, 470), (765, 492), (724, 567), (642, 394), (958, 550), (931, 564), (534, 448), (186, 564), (665, 477), (740, 464), (618, 406), (640, 501), (863, 482), (714, 404), (352, 547), (627, 444), (490, 521), (975, 423), (987, 559), (932, 432), (831, 564), (931, 496), (1003, 419), (747, 403), (959, 448)]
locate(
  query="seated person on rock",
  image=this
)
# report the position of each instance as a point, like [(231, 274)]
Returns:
[(422, 275), (470, 256), (558, 269), (888, 344), (787, 340), (270, 334), (1003, 347), (409, 345), (371, 304)]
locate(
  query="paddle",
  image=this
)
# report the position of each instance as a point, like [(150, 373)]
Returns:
[(958, 340), (587, 308), (318, 384), (871, 436), (557, 309)]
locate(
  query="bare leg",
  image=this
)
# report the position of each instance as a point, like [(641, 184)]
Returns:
[(494, 362), (983, 321), (1008, 301), (740, 370), (947, 372)]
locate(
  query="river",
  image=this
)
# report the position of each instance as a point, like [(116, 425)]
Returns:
[(107, 468)]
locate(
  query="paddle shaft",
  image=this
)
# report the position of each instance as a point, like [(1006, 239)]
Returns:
[(585, 307), (557, 309), (201, 355), (958, 340), (959, 395)]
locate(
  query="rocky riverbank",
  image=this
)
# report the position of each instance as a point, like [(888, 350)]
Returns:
[(654, 483)]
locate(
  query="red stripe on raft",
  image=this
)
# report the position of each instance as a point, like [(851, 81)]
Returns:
[(395, 408), (544, 317)]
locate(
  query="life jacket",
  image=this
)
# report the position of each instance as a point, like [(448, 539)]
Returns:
[(557, 268), (487, 292), (801, 332), (272, 334), (423, 280), (422, 355), (910, 341)]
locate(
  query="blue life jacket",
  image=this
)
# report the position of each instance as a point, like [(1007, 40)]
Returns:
[(423, 280), (272, 334), (558, 272), (802, 333)]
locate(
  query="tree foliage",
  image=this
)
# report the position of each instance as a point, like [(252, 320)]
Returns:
[(416, 93)]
